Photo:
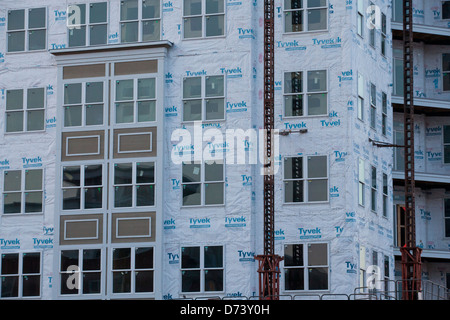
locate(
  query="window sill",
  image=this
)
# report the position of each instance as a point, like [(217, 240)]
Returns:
[(304, 32), (204, 38), (325, 115), (204, 206), (25, 132), (26, 51), (22, 214), (305, 203)]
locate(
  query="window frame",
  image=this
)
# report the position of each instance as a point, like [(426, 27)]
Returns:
[(134, 185), (23, 192), (203, 184), (445, 218), (306, 266), (25, 110), (374, 189), (88, 24), (140, 22), (82, 187), (202, 269), (26, 30), (305, 93), (306, 179), (385, 193), (305, 18), (114, 102), (360, 18), (445, 72), (203, 15), (84, 104), (133, 247), (445, 144), (383, 34), (80, 272), (361, 182), (20, 275), (372, 30), (384, 116), (373, 106), (204, 98), (361, 85)]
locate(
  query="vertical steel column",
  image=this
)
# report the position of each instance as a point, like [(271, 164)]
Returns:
[(411, 262), (268, 263)]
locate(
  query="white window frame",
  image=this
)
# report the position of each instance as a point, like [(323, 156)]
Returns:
[(80, 272), (203, 184), (385, 194), (384, 116), (445, 144), (306, 266), (361, 95), (140, 22), (372, 29), (361, 182), (25, 110), (88, 24), (383, 32), (305, 93), (374, 189), (22, 275), (306, 179), (204, 16), (132, 270), (84, 105), (23, 192), (202, 269), (444, 72), (135, 100), (27, 30), (82, 187), (204, 98), (134, 185), (373, 106), (360, 21), (304, 10)]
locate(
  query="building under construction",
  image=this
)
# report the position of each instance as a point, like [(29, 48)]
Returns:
[(224, 149)]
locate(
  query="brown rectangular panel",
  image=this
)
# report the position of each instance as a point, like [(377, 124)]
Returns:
[(82, 145), (135, 67), (84, 71), (81, 229), (134, 142), (133, 227)]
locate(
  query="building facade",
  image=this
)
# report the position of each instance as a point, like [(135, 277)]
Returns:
[(130, 146)]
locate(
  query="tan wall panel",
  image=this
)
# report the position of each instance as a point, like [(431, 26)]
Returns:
[(89, 227), (132, 230), (140, 140), (135, 67), (84, 145), (86, 71)]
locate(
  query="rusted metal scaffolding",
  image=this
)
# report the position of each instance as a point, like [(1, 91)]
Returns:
[(268, 267), (411, 260)]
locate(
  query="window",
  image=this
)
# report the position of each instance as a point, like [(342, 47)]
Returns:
[(398, 77), (26, 29), (374, 191), (373, 106), (446, 144), (447, 218), (308, 15), (132, 270), (84, 264), (82, 187), (203, 184), (83, 104), (25, 110), (134, 184), (314, 89), (202, 269), (383, 113), (372, 24), (360, 97), (20, 275), (446, 71), (87, 24), (203, 98), (361, 182), (383, 34), (305, 179), (306, 269), (360, 18), (140, 20), (397, 8), (386, 275), (135, 100), (203, 18), (385, 195), (446, 10), (22, 191)]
